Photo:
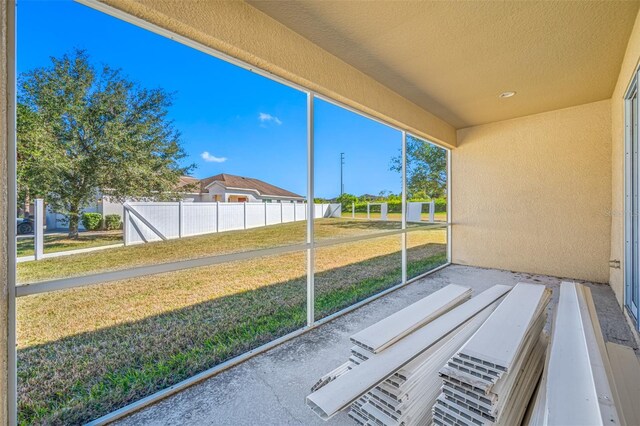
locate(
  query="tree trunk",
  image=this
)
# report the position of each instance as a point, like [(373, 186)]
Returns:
[(74, 219)]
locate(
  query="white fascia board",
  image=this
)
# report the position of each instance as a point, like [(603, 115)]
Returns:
[(338, 394), (386, 332)]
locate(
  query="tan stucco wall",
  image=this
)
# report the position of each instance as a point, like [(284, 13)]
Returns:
[(532, 194), (243, 32), (629, 64)]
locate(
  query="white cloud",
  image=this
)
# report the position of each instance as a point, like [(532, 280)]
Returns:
[(266, 118), (209, 158)]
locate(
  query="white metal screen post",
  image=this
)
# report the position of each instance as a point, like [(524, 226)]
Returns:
[(310, 215), (403, 218), (38, 228), (12, 205), (448, 206)]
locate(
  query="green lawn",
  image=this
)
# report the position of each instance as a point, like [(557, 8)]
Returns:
[(56, 242), (194, 247), (87, 351)]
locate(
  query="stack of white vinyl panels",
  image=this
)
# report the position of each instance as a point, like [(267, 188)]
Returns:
[(406, 398), (391, 376), (577, 385), (376, 338), (490, 380)]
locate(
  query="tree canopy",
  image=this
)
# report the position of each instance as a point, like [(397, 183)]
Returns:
[(84, 130), (426, 169)]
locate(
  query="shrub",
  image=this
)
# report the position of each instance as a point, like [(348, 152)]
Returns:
[(92, 221), (395, 206), (112, 222)]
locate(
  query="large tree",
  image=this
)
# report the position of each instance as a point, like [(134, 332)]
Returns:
[(426, 169), (84, 130)]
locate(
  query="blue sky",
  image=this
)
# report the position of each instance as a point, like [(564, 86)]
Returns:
[(231, 120)]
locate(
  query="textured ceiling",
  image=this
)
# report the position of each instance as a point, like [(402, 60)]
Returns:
[(455, 58)]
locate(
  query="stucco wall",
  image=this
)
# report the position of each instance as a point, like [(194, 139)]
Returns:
[(629, 65), (532, 194), (243, 32)]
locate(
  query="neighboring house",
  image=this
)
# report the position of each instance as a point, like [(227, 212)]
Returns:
[(239, 189), (103, 205), (222, 187)]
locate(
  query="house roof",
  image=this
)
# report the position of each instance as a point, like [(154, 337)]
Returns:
[(188, 181), (239, 182)]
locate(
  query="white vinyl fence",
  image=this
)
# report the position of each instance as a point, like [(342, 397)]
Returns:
[(414, 211), (150, 221), (384, 207)]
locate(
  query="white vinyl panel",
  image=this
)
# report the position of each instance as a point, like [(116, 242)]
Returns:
[(138, 232), (571, 393), (287, 212), (273, 213), (335, 210), (162, 216), (500, 339), (231, 217), (301, 211), (414, 212), (389, 330), (338, 394), (199, 218), (255, 214)]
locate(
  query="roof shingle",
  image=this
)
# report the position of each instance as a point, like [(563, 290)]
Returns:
[(239, 182)]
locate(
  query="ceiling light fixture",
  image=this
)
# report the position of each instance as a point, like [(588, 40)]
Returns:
[(507, 94)]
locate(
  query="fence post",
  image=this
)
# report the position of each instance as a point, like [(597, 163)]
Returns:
[(294, 211), (180, 219), (368, 212), (38, 229), (432, 211), (281, 213), (125, 225), (353, 210), (245, 215), (217, 216), (265, 214)]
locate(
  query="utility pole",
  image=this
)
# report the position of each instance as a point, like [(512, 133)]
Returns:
[(341, 172)]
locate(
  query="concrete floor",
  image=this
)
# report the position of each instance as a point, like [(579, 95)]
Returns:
[(270, 389)]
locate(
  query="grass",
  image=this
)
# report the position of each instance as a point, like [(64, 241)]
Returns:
[(57, 243), (87, 351), (193, 247)]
